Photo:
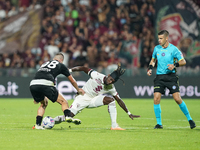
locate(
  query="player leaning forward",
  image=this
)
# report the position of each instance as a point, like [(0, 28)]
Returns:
[(42, 87), (166, 77), (97, 85)]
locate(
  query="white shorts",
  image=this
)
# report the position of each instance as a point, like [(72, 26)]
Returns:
[(83, 101)]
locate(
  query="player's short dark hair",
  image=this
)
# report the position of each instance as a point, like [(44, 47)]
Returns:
[(164, 32), (60, 54)]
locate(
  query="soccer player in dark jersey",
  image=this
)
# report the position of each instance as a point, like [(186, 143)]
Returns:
[(168, 58), (42, 88)]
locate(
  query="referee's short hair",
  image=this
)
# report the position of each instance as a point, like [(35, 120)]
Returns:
[(164, 32)]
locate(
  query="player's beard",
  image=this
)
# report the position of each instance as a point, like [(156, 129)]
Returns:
[(104, 81)]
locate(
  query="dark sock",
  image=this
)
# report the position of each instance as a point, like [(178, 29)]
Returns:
[(39, 120), (67, 113)]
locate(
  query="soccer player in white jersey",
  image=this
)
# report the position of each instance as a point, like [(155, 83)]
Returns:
[(97, 85)]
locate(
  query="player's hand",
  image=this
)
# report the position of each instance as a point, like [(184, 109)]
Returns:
[(149, 72), (171, 66), (81, 91), (133, 116)]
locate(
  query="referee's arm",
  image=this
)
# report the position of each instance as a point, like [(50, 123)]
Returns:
[(151, 65), (181, 62)]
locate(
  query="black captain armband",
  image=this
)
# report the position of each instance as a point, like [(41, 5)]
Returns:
[(150, 67), (176, 64)]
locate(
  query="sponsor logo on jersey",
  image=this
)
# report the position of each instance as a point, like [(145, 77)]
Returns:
[(163, 54), (98, 89), (44, 69)]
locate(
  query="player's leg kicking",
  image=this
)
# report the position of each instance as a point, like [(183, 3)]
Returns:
[(81, 102)]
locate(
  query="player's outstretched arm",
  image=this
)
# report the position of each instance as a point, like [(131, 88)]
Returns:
[(133, 116), (74, 83), (123, 106), (80, 68)]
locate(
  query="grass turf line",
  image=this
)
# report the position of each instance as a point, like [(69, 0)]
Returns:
[(17, 116)]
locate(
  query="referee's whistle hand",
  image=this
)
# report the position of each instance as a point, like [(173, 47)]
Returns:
[(171, 66), (149, 72)]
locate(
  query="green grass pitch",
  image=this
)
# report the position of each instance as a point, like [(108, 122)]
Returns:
[(17, 116)]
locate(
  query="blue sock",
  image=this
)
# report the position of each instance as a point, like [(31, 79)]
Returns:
[(184, 109), (157, 111)]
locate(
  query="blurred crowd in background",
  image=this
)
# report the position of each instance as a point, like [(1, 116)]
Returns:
[(94, 33)]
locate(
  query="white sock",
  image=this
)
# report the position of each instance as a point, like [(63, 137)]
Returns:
[(59, 119), (113, 113)]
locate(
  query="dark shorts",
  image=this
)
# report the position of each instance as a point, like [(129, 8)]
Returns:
[(40, 91), (170, 81)]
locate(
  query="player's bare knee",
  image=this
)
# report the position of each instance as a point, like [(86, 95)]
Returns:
[(156, 100), (61, 101), (44, 103), (178, 100), (107, 100), (64, 102)]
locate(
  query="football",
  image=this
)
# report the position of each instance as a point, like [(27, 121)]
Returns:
[(48, 122)]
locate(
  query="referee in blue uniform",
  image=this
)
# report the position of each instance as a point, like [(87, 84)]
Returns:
[(168, 58)]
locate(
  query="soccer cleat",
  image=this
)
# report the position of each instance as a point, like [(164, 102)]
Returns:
[(192, 124), (72, 120), (158, 126), (38, 127), (117, 128), (76, 121), (68, 119)]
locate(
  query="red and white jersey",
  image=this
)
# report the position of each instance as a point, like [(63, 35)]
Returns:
[(95, 85)]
